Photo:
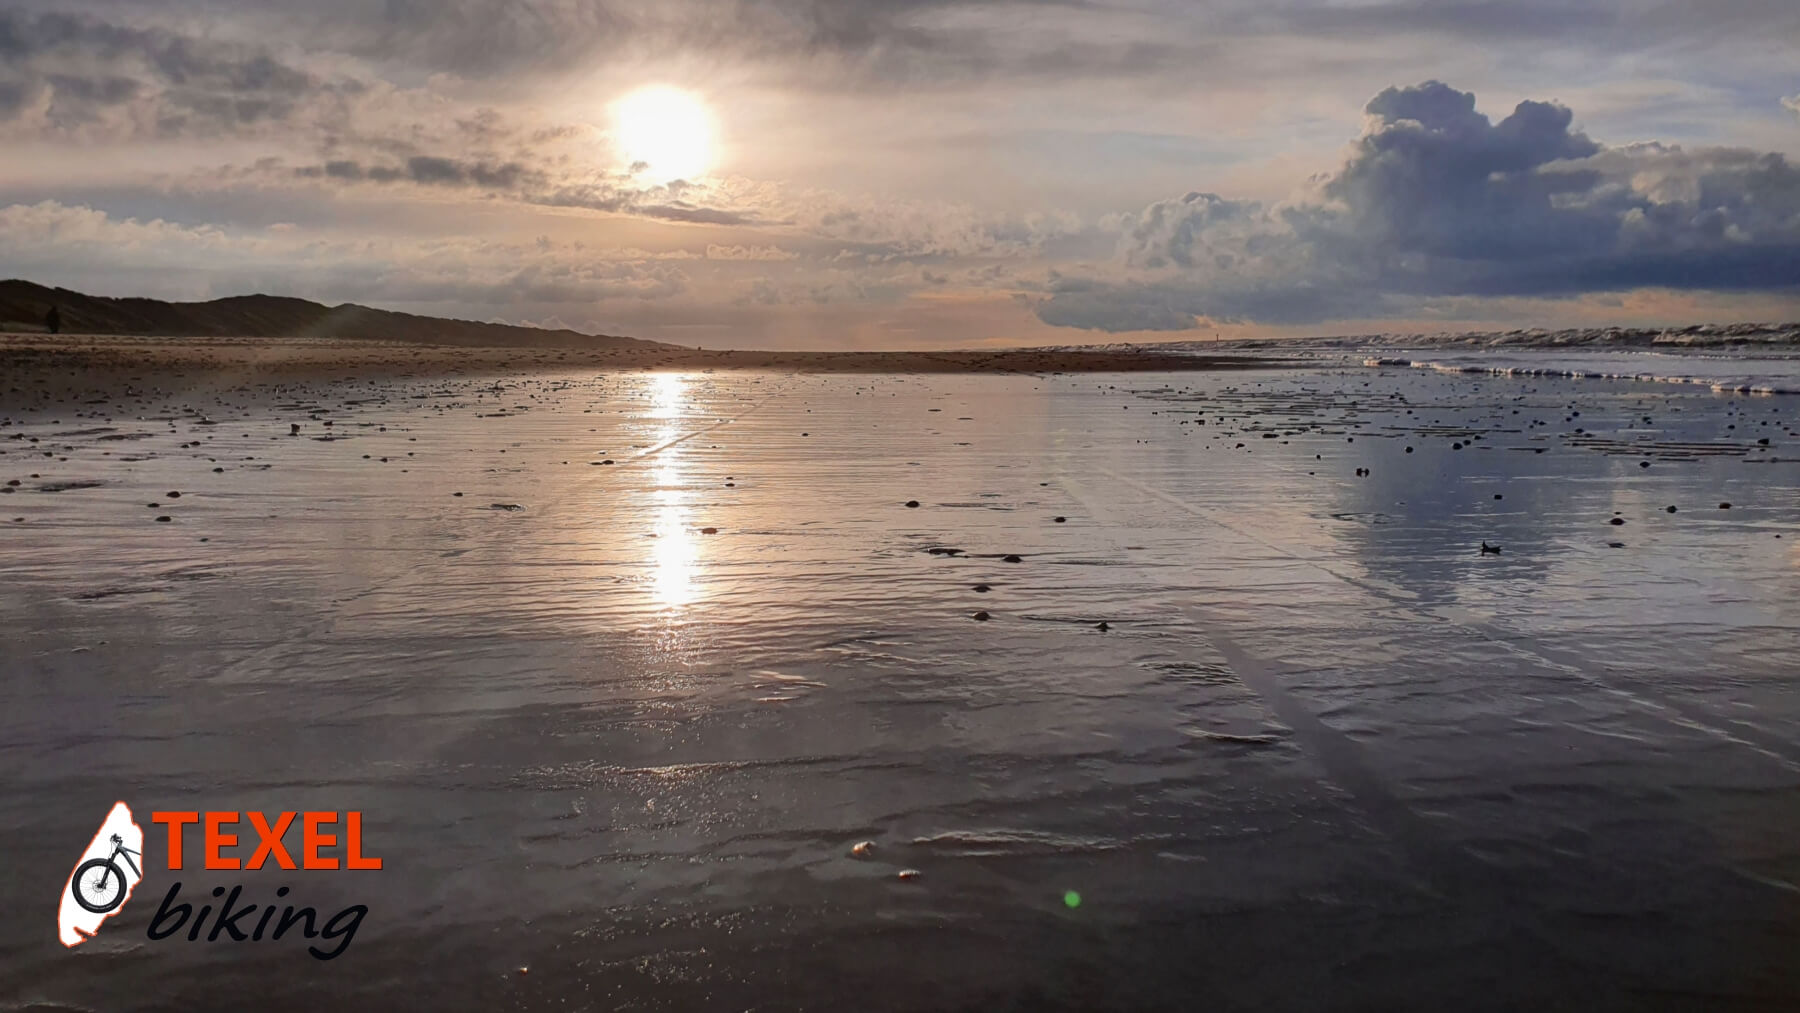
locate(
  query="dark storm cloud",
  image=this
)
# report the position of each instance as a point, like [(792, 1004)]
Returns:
[(1436, 200)]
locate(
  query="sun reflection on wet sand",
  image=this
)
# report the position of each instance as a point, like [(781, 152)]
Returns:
[(675, 553)]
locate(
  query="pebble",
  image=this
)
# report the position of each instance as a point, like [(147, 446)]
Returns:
[(982, 589), (982, 617), (1011, 559), (912, 503)]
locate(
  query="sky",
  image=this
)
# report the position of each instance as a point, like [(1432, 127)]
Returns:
[(916, 173)]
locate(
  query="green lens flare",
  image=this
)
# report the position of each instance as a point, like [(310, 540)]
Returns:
[(1071, 899)]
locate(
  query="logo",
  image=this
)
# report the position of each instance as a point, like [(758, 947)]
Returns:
[(114, 863), (103, 879)]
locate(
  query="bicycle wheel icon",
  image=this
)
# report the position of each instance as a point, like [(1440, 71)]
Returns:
[(99, 885)]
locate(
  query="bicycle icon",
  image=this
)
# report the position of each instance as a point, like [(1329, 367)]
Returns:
[(99, 883)]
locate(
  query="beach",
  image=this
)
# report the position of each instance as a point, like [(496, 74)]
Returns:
[(1036, 679)]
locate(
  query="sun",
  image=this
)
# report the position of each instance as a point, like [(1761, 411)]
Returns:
[(667, 130)]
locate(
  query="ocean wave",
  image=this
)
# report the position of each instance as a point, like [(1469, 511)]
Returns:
[(1723, 385)]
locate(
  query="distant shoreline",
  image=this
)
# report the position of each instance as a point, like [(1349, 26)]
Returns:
[(252, 358)]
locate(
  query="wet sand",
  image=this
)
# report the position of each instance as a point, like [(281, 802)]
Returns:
[(620, 713)]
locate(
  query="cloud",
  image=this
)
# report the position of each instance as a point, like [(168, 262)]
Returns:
[(715, 251), (1792, 104), (1434, 200), (68, 73), (427, 170), (82, 246)]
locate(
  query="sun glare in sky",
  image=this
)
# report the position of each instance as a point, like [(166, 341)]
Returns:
[(667, 129)]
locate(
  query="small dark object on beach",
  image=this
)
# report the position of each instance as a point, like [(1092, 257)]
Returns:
[(508, 507), (1724, 506), (912, 504), (1102, 627), (942, 550), (982, 589), (218, 471), (1498, 496), (456, 494), (164, 519), (1455, 446), (1671, 509), (1409, 450), (709, 531), (982, 617), (1615, 545), (293, 429), (1643, 464), (1616, 521), (1011, 559), (1489, 550), (1062, 520), (174, 495)]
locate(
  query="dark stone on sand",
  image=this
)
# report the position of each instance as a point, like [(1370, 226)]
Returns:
[(942, 550), (1671, 509), (1498, 496), (164, 519), (709, 531), (1409, 450), (1489, 550), (982, 589), (1062, 520), (456, 494), (912, 503), (1615, 545), (1102, 627), (1643, 464), (981, 617), (1616, 521), (174, 495), (1724, 506), (1011, 559), (218, 471)]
